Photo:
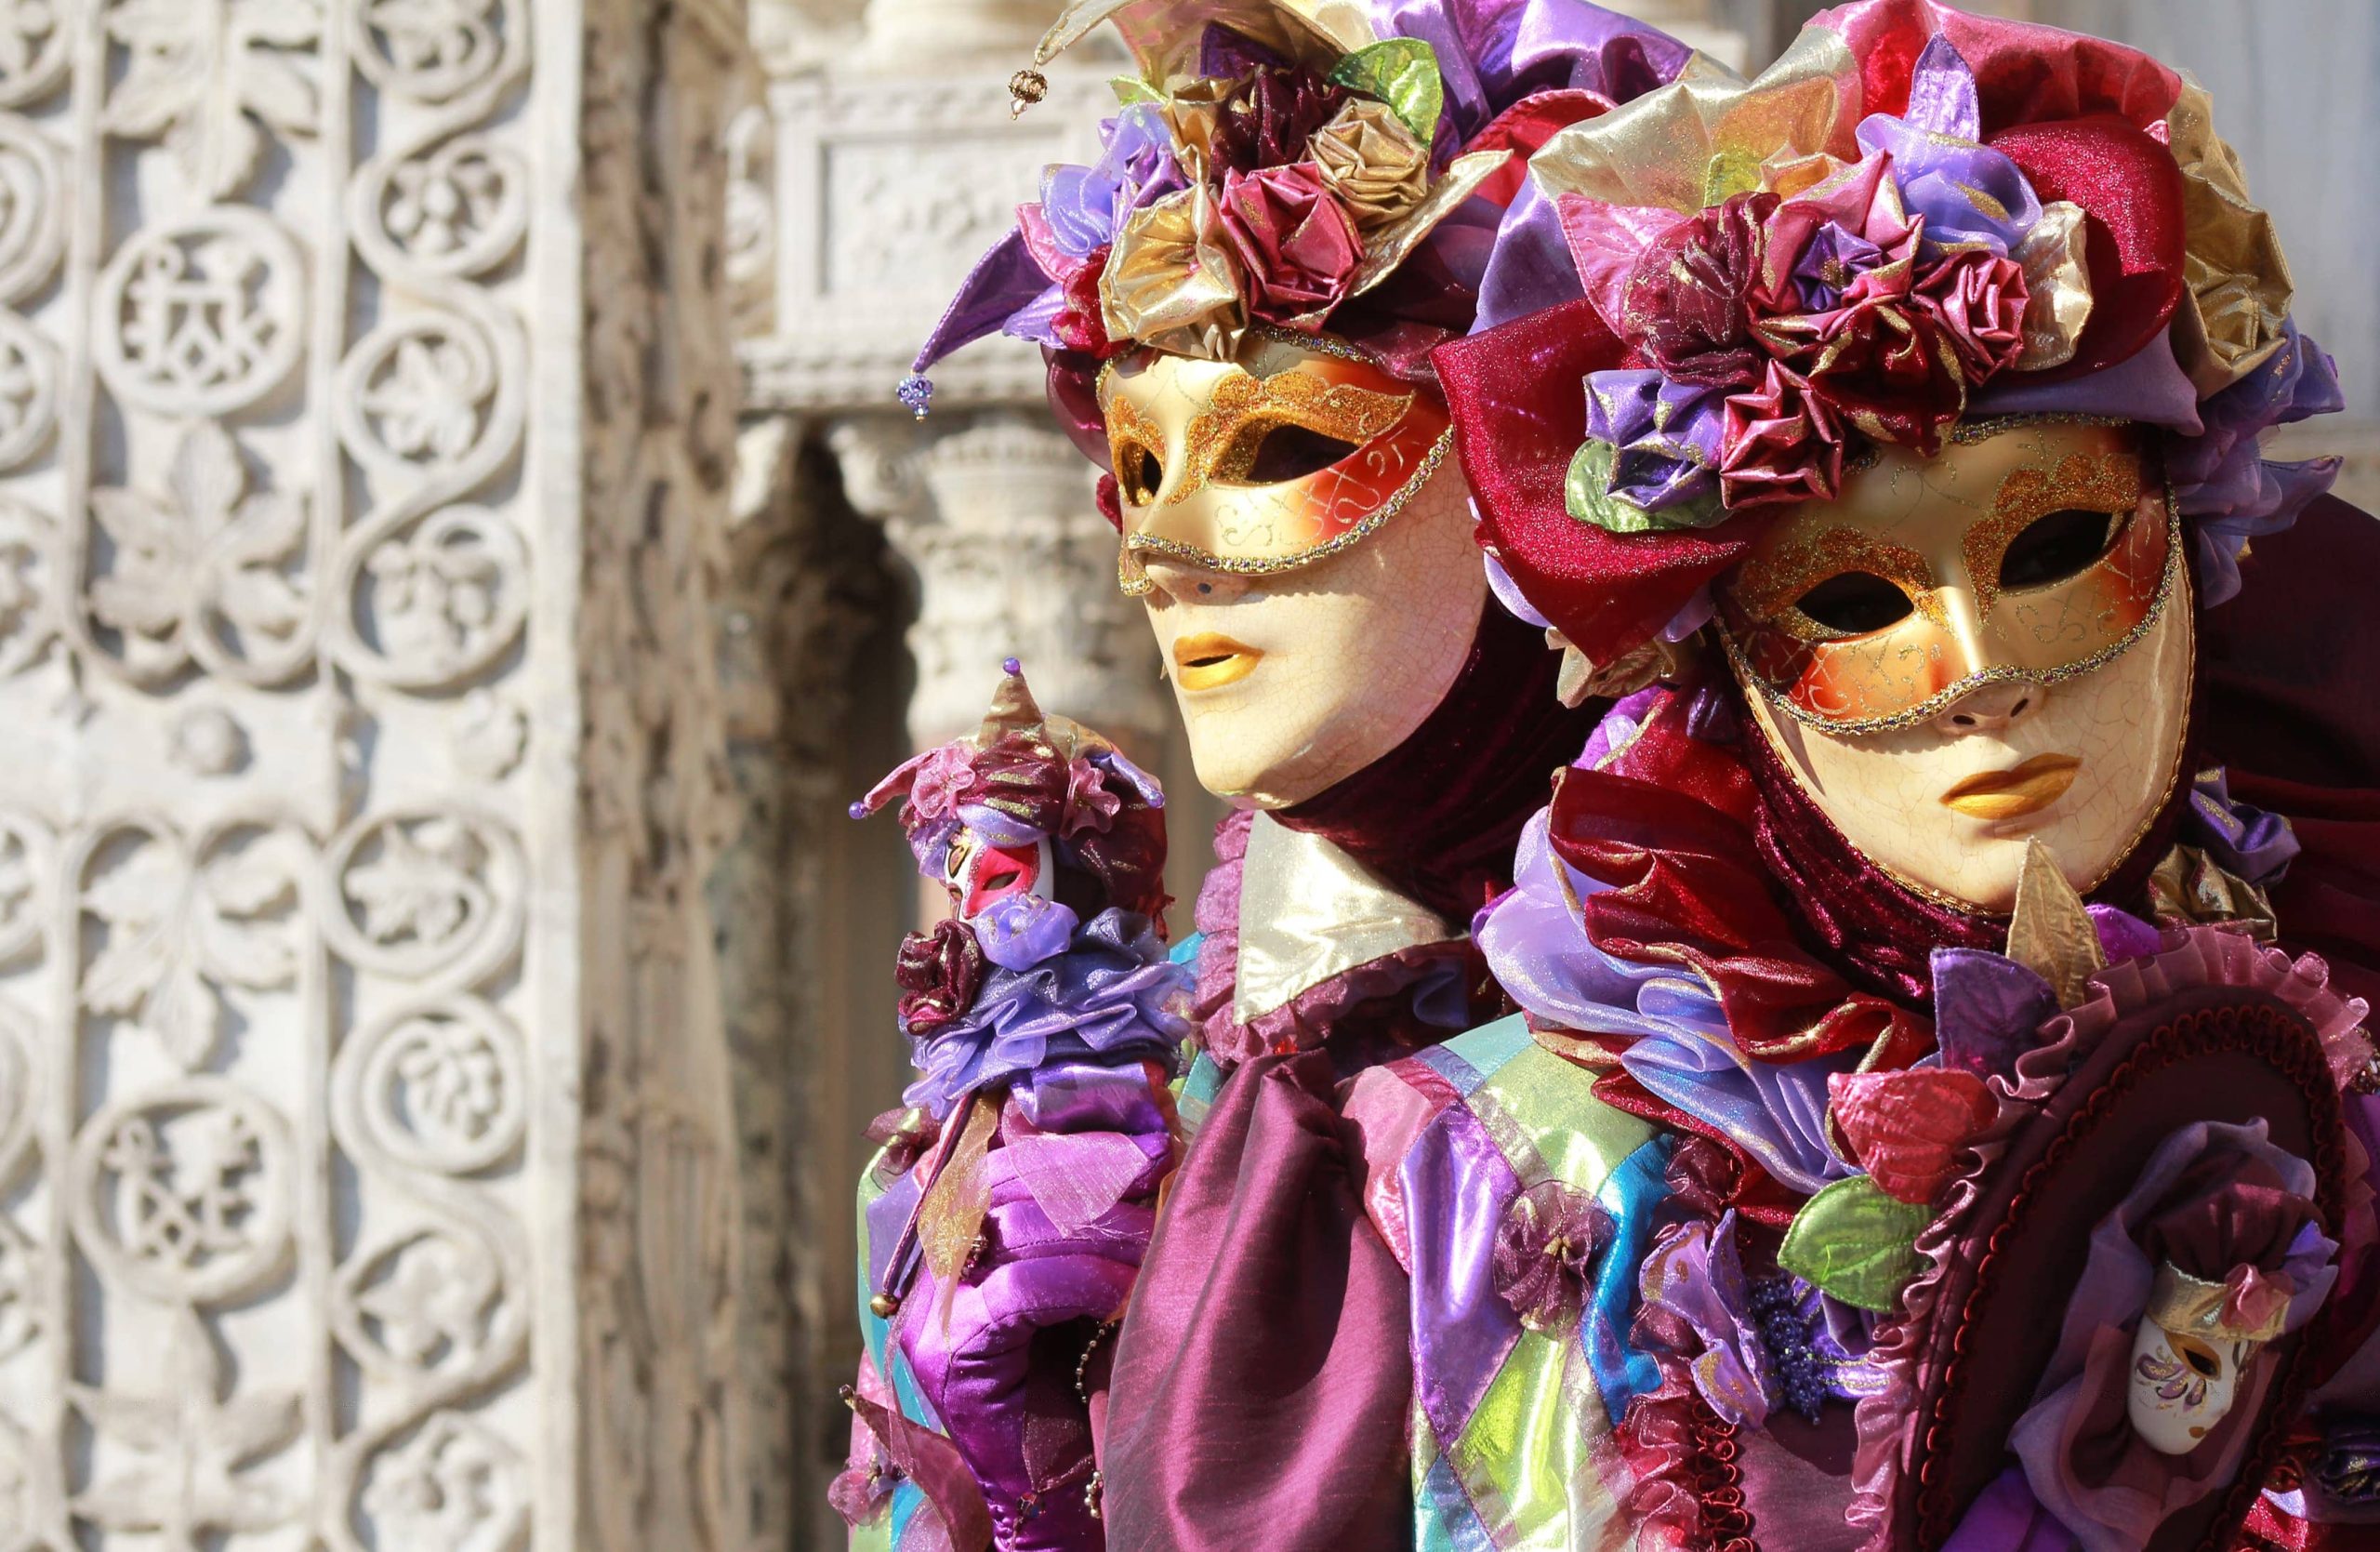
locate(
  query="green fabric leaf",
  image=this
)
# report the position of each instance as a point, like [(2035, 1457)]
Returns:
[(1402, 73), (1129, 89), (1587, 492), (1855, 1243)]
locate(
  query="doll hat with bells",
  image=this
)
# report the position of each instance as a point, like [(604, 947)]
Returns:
[(1915, 219)]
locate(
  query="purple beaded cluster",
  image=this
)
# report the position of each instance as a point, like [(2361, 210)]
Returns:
[(1787, 1331), (916, 392)]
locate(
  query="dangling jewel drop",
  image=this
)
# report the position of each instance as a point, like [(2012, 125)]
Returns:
[(916, 392), (1025, 89)]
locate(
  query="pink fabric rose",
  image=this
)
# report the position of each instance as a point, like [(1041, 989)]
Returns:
[(1546, 1250), (1979, 299), (1778, 442), (1297, 245)]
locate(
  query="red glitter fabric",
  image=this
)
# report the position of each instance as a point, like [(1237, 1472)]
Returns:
[(2025, 72), (1519, 414), (2130, 188)]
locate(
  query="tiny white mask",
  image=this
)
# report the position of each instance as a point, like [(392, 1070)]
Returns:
[(2182, 1385)]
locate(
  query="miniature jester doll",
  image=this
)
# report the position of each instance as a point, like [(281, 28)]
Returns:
[(1237, 303), (1925, 1126), (1014, 1201)]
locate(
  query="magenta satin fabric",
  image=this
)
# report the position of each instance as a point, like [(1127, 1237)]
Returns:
[(1260, 1386)]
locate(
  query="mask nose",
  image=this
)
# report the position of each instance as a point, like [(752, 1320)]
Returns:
[(1183, 583), (1992, 710)]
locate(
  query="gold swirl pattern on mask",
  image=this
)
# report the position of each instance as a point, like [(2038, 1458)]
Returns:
[(1769, 586), (2108, 482)]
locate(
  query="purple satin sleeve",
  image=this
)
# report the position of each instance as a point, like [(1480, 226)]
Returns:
[(1261, 1384), (1070, 1217)]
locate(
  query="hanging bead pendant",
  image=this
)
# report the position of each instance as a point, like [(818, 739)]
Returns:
[(1025, 89)]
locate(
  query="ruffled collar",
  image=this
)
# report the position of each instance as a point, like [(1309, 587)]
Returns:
[(1322, 979)]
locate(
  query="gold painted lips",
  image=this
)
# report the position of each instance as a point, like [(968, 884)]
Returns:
[(2029, 788), (1209, 661)]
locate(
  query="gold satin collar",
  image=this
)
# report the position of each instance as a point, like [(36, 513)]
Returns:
[(1309, 912)]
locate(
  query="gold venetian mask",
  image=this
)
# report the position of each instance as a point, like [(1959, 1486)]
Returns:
[(2037, 554), (1967, 652), (1297, 450)]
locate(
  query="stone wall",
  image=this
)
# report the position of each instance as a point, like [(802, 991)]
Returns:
[(368, 1162)]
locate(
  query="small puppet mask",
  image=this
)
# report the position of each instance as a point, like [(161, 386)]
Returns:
[(2193, 1345)]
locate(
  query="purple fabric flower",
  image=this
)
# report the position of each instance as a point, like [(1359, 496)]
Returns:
[(1089, 805), (2349, 1466), (1546, 1250), (1833, 258), (943, 775), (1085, 206), (2219, 477), (1112, 997), (1968, 194), (1696, 1275), (1019, 931), (1667, 434)]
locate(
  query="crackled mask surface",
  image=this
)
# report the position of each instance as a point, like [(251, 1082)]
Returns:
[(1293, 675), (1971, 649), (1282, 458)]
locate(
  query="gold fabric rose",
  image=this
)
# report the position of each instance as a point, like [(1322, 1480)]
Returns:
[(1170, 280), (1372, 163)]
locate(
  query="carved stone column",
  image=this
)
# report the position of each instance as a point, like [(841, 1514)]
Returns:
[(367, 1166), (1011, 559)]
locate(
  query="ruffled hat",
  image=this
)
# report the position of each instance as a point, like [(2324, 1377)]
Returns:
[(1917, 218), (1278, 165)]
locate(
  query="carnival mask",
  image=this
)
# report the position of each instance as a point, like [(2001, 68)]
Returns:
[(1966, 651), (1307, 562), (2188, 1355)]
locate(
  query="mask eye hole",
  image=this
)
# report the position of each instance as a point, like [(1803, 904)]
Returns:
[(1855, 602), (1139, 474), (2200, 1358), (1001, 879), (2054, 547), (1267, 455)]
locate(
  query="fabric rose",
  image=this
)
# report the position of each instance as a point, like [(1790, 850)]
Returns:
[(1691, 292), (1834, 260), (1979, 299), (1017, 931), (939, 973), (1268, 119), (1666, 434), (1294, 241), (1778, 442), (1170, 282), (1374, 165), (1884, 365), (1546, 1250), (1968, 194), (1089, 805)]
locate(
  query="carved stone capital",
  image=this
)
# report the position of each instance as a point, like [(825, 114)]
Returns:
[(994, 516)]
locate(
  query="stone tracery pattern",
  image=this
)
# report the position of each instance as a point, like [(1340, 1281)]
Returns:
[(282, 1179)]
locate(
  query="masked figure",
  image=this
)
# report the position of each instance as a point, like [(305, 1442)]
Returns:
[(1926, 1112), (1237, 302)]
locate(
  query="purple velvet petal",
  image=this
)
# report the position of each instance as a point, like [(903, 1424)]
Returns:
[(1491, 53), (1967, 193), (2245, 840), (2150, 388), (1834, 258), (2220, 477), (1987, 1009)]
